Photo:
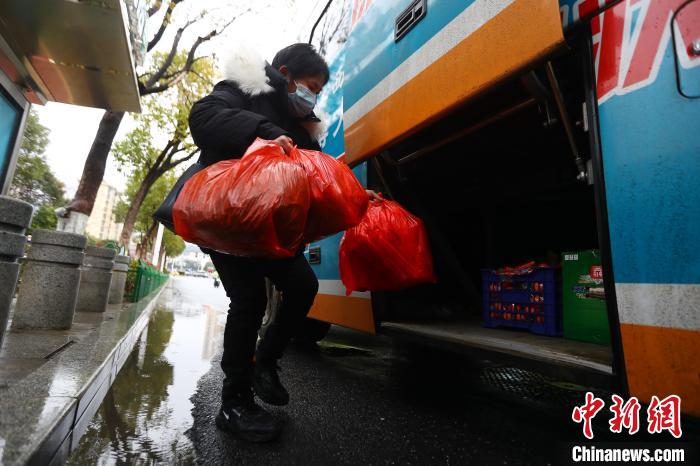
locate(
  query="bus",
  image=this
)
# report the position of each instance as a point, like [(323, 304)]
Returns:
[(531, 130)]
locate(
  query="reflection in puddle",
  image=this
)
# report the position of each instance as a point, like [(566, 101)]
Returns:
[(145, 414)]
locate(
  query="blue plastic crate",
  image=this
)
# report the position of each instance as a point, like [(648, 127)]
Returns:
[(530, 301)]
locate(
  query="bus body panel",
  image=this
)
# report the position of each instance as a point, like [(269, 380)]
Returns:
[(456, 51), (647, 84), (575, 12), (331, 304), (651, 156)]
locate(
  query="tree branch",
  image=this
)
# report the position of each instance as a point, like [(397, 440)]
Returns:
[(158, 75), (151, 88), (159, 160), (175, 149), (203, 78), (172, 75), (168, 60), (155, 8), (180, 75), (331, 29), (177, 162), (164, 24), (164, 87)]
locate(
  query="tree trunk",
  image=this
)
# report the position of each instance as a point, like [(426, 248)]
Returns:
[(143, 247), (135, 205), (161, 257), (94, 168)]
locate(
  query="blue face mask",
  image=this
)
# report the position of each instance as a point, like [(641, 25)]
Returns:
[(302, 101)]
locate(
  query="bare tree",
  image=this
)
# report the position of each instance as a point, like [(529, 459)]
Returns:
[(170, 73)]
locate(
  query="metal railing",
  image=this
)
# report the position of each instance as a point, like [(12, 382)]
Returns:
[(147, 279)]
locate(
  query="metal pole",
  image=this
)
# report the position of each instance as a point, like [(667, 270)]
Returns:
[(568, 128), (156, 247), (466, 131)]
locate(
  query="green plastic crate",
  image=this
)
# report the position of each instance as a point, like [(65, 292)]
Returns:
[(584, 314)]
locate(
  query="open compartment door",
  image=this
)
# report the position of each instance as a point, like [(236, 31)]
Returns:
[(398, 83)]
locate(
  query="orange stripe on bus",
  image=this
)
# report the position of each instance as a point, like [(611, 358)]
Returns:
[(520, 34), (348, 311), (663, 361)]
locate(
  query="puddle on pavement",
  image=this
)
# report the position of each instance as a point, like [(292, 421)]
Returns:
[(147, 411), (339, 350)]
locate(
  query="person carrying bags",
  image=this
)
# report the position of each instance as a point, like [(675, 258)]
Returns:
[(272, 102)]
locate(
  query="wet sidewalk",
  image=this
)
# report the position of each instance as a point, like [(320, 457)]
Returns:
[(52, 381), (146, 414), (355, 399)]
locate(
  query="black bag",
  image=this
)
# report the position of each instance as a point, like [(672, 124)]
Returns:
[(164, 213)]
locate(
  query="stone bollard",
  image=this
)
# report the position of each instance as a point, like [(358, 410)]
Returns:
[(15, 216), (50, 281), (95, 279), (116, 290)]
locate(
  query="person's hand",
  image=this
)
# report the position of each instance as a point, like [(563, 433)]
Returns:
[(285, 142), (374, 196)]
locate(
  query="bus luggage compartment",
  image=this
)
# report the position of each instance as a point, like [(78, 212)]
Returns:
[(501, 181)]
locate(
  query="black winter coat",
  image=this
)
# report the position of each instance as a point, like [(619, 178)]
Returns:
[(227, 121)]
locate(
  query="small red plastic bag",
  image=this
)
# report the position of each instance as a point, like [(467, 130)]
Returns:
[(388, 251), (338, 200), (253, 206)]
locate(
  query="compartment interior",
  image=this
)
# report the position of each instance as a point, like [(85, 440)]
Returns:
[(496, 184)]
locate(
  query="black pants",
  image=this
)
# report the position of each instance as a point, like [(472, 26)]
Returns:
[(244, 281)]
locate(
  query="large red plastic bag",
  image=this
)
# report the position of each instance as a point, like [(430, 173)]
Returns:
[(338, 200), (387, 251), (255, 206)]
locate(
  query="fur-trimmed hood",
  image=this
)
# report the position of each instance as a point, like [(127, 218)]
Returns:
[(249, 70), (250, 101)]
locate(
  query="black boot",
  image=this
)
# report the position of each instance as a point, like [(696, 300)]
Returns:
[(267, 385), (240, 415)]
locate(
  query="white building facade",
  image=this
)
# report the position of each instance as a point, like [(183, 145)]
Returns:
[(101, 223)]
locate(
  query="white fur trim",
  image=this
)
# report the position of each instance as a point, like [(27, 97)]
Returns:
[(246, 67), (314, 128)]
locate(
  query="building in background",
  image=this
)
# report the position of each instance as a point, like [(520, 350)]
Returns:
[(101, 223), (192, 259)]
